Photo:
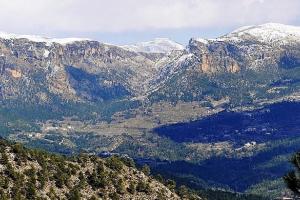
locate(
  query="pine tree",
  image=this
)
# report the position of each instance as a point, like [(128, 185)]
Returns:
[(143, 187), (31, 173), (115, 163), (4, 158), (146, 170), (183, 192), (42, 178), (292, 179), (114, 196), (30, 191), (159, 178), (82, 180), (132, 188), (93, 198), (161, 195), (75, 194), (171, 184), (3, 195), (120, 186)]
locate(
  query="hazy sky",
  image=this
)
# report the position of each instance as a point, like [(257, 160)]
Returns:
[(128, 21)]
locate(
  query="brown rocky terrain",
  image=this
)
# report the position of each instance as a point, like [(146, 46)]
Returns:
[(32, 174)]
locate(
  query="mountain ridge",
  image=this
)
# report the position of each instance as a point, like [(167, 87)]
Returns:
[(268, 28), (157, 45), (96, 97), (138, 74)]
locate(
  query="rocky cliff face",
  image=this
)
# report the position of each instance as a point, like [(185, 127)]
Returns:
[(249, 48), (269, 52), (84, 70)]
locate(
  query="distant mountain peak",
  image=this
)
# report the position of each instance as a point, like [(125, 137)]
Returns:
[(36, 38), (269, 27), (157, 45), (269, 32)]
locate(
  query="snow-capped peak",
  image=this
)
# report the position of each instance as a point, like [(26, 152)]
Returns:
[(35, 38), (202, 40), (158, 45), (270, 32)]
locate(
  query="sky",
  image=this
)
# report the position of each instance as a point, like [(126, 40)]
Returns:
[(130, 21)]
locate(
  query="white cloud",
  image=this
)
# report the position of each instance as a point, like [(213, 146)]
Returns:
[(140, 15)]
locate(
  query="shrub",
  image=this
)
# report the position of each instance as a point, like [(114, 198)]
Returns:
[(114, 163), (143, 187)]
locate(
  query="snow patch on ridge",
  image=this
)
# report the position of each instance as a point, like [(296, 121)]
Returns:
[(158, 45), (35, 38), (202, 40), (267, 33), (46, 53)]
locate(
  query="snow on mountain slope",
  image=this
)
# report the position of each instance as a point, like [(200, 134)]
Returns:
[(35, 38), (158, 45), (266, 33), (201, 40)]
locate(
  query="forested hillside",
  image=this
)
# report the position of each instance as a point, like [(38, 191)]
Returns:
[(34, 174)]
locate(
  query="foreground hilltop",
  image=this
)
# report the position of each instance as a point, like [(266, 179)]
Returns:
[(33, 174)]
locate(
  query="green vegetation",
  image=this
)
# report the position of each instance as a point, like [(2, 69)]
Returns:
[(223, 195), (292, 179), (18, 116), (268, 188), (243, 88), (27, 174)]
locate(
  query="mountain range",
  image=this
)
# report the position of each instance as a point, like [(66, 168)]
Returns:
[(142, 70), (69, 95)]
